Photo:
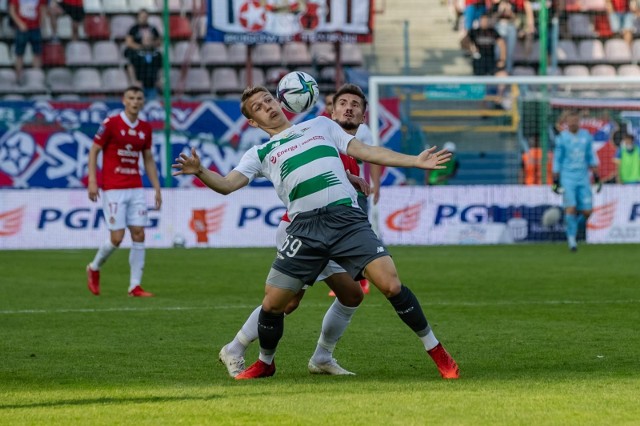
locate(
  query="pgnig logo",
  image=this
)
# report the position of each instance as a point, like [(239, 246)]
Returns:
[(81, 218)]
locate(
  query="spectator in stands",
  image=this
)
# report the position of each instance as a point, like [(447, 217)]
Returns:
[(456, 11), (26, 15), (473, 10), (484, 41), (73, 8), (442, 176), (627, 160), (144, 57), (622, 18), (503, 14)]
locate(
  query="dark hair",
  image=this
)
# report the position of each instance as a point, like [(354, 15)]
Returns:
[(246, 94), (133, 89), (351, 89)]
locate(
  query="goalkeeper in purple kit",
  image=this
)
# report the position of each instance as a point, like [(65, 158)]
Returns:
[(573, 157)]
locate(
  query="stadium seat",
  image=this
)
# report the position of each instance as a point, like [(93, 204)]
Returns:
[(175, 6), (602, 26), (8, 80), (115, 6), (93, 6), (12, 97), (87, 80), (328, 75), (7, 30), (157, 22), (567, 52), (64, 27), (266, 54), (180, 27), (197, 81), (53, 55), (185, 52), (5, 56), (593, 5), (323, 53), (78, 53), (580, 26), (296, 54), (524, 71), (629, 70), (60, 80), (213, 53), (351, 55), (576, 71), (40, 97), (603, 70), (96, 27), (34, 81), (225, 80), (107, 53), (591, 51), (149, 5), (120, 25), (114, 80), (617, 51), (68, 97), (273, 75), (237, 54), (257, 77)]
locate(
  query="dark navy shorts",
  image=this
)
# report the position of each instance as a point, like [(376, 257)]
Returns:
[(339, 233)]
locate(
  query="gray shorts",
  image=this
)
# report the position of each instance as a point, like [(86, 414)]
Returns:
[(339, 233)]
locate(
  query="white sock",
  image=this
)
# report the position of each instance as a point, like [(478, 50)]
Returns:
[(247, 334), (267, 359), (102, 255), (334, 324), (136, 262), (429, 341)]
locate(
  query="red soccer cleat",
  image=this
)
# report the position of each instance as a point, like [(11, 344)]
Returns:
[(93, 280), (258, 370), (365, 286), (139, 292), (446, 365)]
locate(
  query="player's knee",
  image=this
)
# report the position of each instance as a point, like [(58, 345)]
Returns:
[(389, 287), (137, 235), (116, 240), (352, 299)]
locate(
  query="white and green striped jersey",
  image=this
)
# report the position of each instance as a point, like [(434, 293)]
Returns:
[(304, 166)]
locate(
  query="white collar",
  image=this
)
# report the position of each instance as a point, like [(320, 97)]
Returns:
[(126, 120)]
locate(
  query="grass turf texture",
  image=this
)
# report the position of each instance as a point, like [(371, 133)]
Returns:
[(542, 336)]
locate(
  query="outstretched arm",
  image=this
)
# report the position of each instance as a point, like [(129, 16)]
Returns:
[(190, 165), (427, 159)]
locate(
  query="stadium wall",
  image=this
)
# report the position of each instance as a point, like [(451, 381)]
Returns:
[(408, 215)]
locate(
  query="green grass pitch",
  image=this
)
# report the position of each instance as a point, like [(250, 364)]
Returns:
[(542, 336)]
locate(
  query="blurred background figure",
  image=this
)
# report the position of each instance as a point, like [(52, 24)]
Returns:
[(627, 160), (26, 16), (145, 60), (442, 176), (73, 8)]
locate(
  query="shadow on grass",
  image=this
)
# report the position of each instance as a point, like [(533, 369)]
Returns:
[(108, 401)]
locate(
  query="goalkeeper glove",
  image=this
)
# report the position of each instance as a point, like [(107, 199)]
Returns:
[(597, 182), (556, 186)]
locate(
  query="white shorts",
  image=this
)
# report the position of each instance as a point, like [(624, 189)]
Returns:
[(331, 268), (124, 207)]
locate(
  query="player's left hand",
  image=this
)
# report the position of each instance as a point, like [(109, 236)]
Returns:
[(359, 184), (597, 183), (186, 165), (429, 159)]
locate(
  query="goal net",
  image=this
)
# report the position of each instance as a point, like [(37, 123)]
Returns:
[(503, 132)]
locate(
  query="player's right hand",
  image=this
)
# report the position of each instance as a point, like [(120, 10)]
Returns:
[(556, 187), (92, 190)]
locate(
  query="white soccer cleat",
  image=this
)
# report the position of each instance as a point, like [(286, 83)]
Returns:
[(332, 368), (234, 363)]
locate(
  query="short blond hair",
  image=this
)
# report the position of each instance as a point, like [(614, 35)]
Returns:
[(246, 94)]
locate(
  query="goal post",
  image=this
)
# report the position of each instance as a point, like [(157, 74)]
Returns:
[(503, 129)]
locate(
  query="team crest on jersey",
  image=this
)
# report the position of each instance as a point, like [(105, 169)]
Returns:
[(132, 132)]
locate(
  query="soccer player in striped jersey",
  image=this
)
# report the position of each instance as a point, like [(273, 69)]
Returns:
[(303, 163)]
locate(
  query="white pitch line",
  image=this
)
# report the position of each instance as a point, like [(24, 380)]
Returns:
[(315, 305)]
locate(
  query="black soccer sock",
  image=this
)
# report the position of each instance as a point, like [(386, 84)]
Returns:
[(270, 330), (408, 309)]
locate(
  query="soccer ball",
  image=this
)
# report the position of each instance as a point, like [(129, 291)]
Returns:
[(551, 216), (179, 241), (297, 92)]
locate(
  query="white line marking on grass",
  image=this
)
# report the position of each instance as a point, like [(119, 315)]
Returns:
[(313, 305)]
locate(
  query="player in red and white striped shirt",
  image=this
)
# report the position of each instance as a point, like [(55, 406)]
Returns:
[(121, 139)]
